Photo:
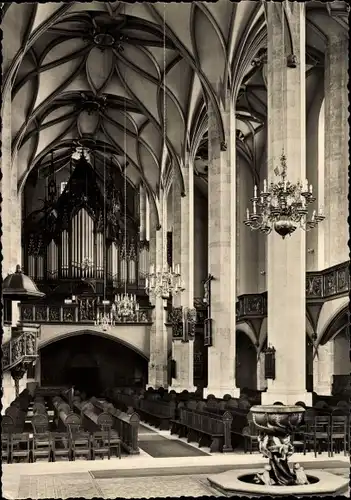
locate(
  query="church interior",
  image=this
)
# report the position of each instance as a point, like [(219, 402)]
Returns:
[(174, 222)]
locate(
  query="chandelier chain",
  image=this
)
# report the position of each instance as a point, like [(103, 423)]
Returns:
[(164, 281), (125, 306), (282, 205)]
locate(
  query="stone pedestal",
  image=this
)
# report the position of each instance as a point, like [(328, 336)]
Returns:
[(261, 380), (158, 364), (286, 323), (323, 369), (336, 227), (222, 255), (183, 255), (183, 354)]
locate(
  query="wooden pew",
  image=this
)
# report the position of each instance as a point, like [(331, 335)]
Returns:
[(205, 429), (157, 413), (126, 425)]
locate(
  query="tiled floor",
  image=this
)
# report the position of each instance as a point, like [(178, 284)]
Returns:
[(140, 476), (82, 485)]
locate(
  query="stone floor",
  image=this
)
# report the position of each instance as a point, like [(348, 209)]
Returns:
[(82, 485), (140, 477)]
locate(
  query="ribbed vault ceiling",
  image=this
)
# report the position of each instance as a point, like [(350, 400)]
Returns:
[(82, 70)]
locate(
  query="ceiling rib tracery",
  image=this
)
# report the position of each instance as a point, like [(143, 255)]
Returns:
[(75, 66)]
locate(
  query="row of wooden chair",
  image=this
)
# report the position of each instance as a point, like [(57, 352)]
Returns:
[(52, 445), (330, 433), (327, 433)]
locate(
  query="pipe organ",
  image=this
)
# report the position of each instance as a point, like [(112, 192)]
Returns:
[(82, 236)]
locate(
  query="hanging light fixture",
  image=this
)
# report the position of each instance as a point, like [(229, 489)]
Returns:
[(105, 319), (283, 205), (166, 281), (126, 305)]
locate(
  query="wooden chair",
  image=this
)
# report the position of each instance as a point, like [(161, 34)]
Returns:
[(6, 448), (105, 421), (41, 446), (317, 433), (73, 423), (100, 444), (61, 445), (7, 425), (20, 446), (39, 408), (80, 444), (338, 433), (250, 433), (40, 423)]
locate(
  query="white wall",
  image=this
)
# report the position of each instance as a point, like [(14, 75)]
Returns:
[(247, 240), (315, 175), (135, 336)]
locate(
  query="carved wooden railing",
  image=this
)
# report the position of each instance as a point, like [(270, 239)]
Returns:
[(251, 305), (329, 283), (72, 313), (22, 349), (320, 286)]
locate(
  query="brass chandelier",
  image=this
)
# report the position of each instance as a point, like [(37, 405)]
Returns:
[(164, 282), (282, 206)]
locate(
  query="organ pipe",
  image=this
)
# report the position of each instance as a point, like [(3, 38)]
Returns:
[(40, 267), (65, 254), (81, 244), (52, 260)]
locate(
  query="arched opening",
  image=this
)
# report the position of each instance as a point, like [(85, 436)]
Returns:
[(246, 362), (91, 363)]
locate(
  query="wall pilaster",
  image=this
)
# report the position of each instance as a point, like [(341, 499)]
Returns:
[(183, 255), (158, 364), (336, 227)]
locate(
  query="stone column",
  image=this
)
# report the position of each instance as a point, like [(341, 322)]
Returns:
[(183, 255), (222, 255), (11, 201), (158, 364), (142, 212), (336, 206), (323, 369), (286, 323)]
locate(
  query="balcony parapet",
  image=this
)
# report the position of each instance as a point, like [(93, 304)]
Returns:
[(321, 286), (329, 283), (73, 313)]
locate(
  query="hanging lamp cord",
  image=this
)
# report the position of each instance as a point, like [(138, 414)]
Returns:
[(164, 249), (125, 178), (104, 242)]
